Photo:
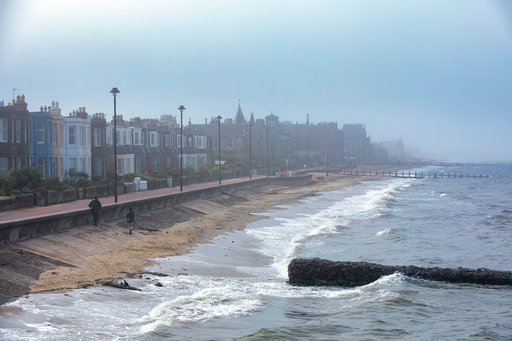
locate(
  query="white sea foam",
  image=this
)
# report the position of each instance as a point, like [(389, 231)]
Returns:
[(229, 301), (386, 231)]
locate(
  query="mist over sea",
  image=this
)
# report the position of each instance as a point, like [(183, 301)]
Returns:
[(235, 288)]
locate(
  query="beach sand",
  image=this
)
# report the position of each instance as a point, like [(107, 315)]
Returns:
[(90, 255)]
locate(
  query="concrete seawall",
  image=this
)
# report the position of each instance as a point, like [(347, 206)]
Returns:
[(322, 272), (12, 231)]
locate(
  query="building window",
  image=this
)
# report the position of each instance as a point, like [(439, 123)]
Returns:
[(72, 167), (141, 138), (158, 143), (154, 164), (97, 138), (4, 165), (97, 166), (84, 136), (138, 165), (72, 137), (41, 127), (168, 162), (172, 140), (178, 144), (190, 142), (166, 140), (41, 165), (152, 139), (200, 142), (118, 137), (54, 133), (136, 138), (231, 143), (120, 166), (26, 131), (54, 166), (124, 137), (18, 131)]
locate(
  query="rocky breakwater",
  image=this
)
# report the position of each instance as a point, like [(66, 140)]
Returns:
[(322, 272)]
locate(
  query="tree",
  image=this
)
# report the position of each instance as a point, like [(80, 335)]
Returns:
[(27, 178)]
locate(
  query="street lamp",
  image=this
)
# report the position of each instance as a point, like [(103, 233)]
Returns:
[(268, 130), (297, 154), (308, 153), (220, 162), (181, 108), (114, 92), (250, 151)]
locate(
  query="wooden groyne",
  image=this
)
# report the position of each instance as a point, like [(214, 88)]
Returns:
[(419, 175), (322, 272)]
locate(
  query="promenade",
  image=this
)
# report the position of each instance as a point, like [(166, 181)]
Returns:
[(73, 206)]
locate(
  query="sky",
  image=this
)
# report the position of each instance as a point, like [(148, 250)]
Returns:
[(437, 74)]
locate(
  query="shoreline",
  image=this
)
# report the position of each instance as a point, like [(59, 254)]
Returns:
[(89, 255)]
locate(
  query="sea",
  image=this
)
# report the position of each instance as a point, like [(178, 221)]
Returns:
[(235, 288)]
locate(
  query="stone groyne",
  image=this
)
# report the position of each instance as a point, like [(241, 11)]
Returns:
[(322, 272)]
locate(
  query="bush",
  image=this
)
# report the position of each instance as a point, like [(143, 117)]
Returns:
[(172, 171), (27, 178), (189, 171), (6, 186), (83, 183), (54, 184)]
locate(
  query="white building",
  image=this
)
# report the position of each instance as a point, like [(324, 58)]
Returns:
[(77, 143), (395, 149)]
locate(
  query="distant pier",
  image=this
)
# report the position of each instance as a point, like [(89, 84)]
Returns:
[(417, 175)]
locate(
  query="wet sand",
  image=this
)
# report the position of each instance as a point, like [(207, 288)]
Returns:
[(90, 255)]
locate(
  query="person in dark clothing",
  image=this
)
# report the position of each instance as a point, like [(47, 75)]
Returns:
[(130, 217), (95, 206)]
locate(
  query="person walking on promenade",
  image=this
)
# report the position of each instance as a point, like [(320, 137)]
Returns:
[(130, 217), (95, 206)]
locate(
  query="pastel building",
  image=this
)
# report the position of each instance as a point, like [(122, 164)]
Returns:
[(77, 143)]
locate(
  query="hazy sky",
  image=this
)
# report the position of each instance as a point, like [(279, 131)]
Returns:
[(436, 73)]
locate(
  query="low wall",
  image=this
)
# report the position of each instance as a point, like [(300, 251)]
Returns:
[(292, 181), (322, 272), (27, 228), (16, 201)]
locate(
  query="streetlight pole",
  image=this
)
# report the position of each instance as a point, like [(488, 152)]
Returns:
[(268, 130), (181, 108), (220, 162), (297, 154), (114, 93), (317, 153), (308, 153), (250, 151)]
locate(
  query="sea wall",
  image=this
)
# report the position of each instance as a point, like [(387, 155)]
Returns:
[(12, 231), (292, 181), (322, 272)]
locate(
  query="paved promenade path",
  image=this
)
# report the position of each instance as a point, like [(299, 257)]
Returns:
[(38, 211)]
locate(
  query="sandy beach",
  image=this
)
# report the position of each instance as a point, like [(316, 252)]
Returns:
[(90, 255)]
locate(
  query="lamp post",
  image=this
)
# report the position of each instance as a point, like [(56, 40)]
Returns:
[(181, 108), (250, 151), (308, 153), (297, 154), (268, 130), (317, 153), (114, 92), (220, 162)]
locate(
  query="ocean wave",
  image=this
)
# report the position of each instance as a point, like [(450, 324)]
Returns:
[(207, 304), (386, 231)]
